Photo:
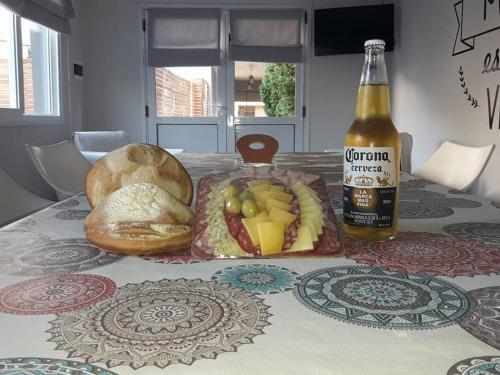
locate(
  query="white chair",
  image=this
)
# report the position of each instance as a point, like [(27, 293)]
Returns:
[(455, 165), (17, 202), (94, 145), (62, 166), (406, 147), (495, 197)]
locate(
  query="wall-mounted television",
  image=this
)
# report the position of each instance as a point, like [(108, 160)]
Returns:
[(344, 30)]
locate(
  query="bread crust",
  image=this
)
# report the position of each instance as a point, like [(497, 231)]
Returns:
[(108, 238), (136, 163), (140, 219)]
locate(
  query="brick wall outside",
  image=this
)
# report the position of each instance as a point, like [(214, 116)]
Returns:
[(28, 85), (200, 95), (176, 96)]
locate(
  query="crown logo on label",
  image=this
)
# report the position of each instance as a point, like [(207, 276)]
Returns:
[(364, 181)]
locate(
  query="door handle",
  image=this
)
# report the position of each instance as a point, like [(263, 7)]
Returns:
[(230, 121)]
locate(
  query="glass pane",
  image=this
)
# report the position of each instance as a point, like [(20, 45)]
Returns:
[(186, 91), (8, 89), (40, 70), (264, 90)]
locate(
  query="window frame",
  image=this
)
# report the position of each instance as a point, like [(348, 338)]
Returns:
[(17, 116)]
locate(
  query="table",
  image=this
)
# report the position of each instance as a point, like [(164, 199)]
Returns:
[(425, 303), (93, 156)]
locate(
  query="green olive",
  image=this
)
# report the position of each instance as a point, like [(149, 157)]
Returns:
[(249, 208), (233, 205), (246, 194), (230, 191)]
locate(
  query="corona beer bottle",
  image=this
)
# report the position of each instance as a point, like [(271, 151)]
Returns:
[(371, 156)]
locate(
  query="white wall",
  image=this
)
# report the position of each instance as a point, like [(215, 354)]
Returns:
[(113, 90), (334, 82), (428, 100), (13, 156)]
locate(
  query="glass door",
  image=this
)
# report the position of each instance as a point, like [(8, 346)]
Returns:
[(207, 108), (186, 113), (266, 98)]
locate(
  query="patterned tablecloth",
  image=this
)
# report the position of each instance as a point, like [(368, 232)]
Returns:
[(426, 303)]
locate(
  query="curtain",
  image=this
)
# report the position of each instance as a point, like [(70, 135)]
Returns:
[(54, 14), (183, 37), (267, 35)]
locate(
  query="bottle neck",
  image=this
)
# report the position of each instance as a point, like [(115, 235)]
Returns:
[(373, 94)]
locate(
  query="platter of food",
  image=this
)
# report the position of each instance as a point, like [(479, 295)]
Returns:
[(264, 212), (141, 196)]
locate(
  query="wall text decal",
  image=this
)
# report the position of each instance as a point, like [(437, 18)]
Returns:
[(476, 19), (473, 101)]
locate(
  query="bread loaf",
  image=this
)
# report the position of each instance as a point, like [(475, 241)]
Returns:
[(140, 218), (136, 163)]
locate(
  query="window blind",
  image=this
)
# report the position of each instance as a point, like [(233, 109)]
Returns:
[(267, 35), (183, 37), (54, 14)]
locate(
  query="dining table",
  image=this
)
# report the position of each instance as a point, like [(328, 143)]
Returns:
[(426, 302)]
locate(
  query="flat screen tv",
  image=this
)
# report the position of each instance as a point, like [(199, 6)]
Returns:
[(344, 30)]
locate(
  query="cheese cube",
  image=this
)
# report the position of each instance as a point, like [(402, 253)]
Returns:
[(310, 209), (282, 216), (312, 227), (281, 196), (259, 187), (303, 242), (262, 196), (258, 182), (304, 202), (298, 186), (315, 219), (270, 203), (250, 225), (277, 188), (272, 237)]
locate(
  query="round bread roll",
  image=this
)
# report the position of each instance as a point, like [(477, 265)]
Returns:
[(136, 163), (140, 219)]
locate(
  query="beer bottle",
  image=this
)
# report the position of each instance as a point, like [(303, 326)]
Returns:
[(371, 156)]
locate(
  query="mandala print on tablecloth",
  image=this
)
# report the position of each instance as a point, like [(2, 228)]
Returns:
[(161, 323), (64, 205), (48, 366), (426, 253), (336, 193), (415, 195), (418, 183), (72, 214), (450, 202), (48, 257), (53, 294), (383, 299), (486, 365), (258, 278), (483, 318), (23, 225), (495, 204), (172, 258), (417, 210), (482, 232)]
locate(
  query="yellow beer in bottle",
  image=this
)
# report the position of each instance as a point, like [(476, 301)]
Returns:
[(372, 155)]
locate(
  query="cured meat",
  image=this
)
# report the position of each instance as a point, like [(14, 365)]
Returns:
[(236, 242)]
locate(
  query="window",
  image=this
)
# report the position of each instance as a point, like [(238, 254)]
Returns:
[(264, 89), (29, 66), (8, 71), (186, 91)]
